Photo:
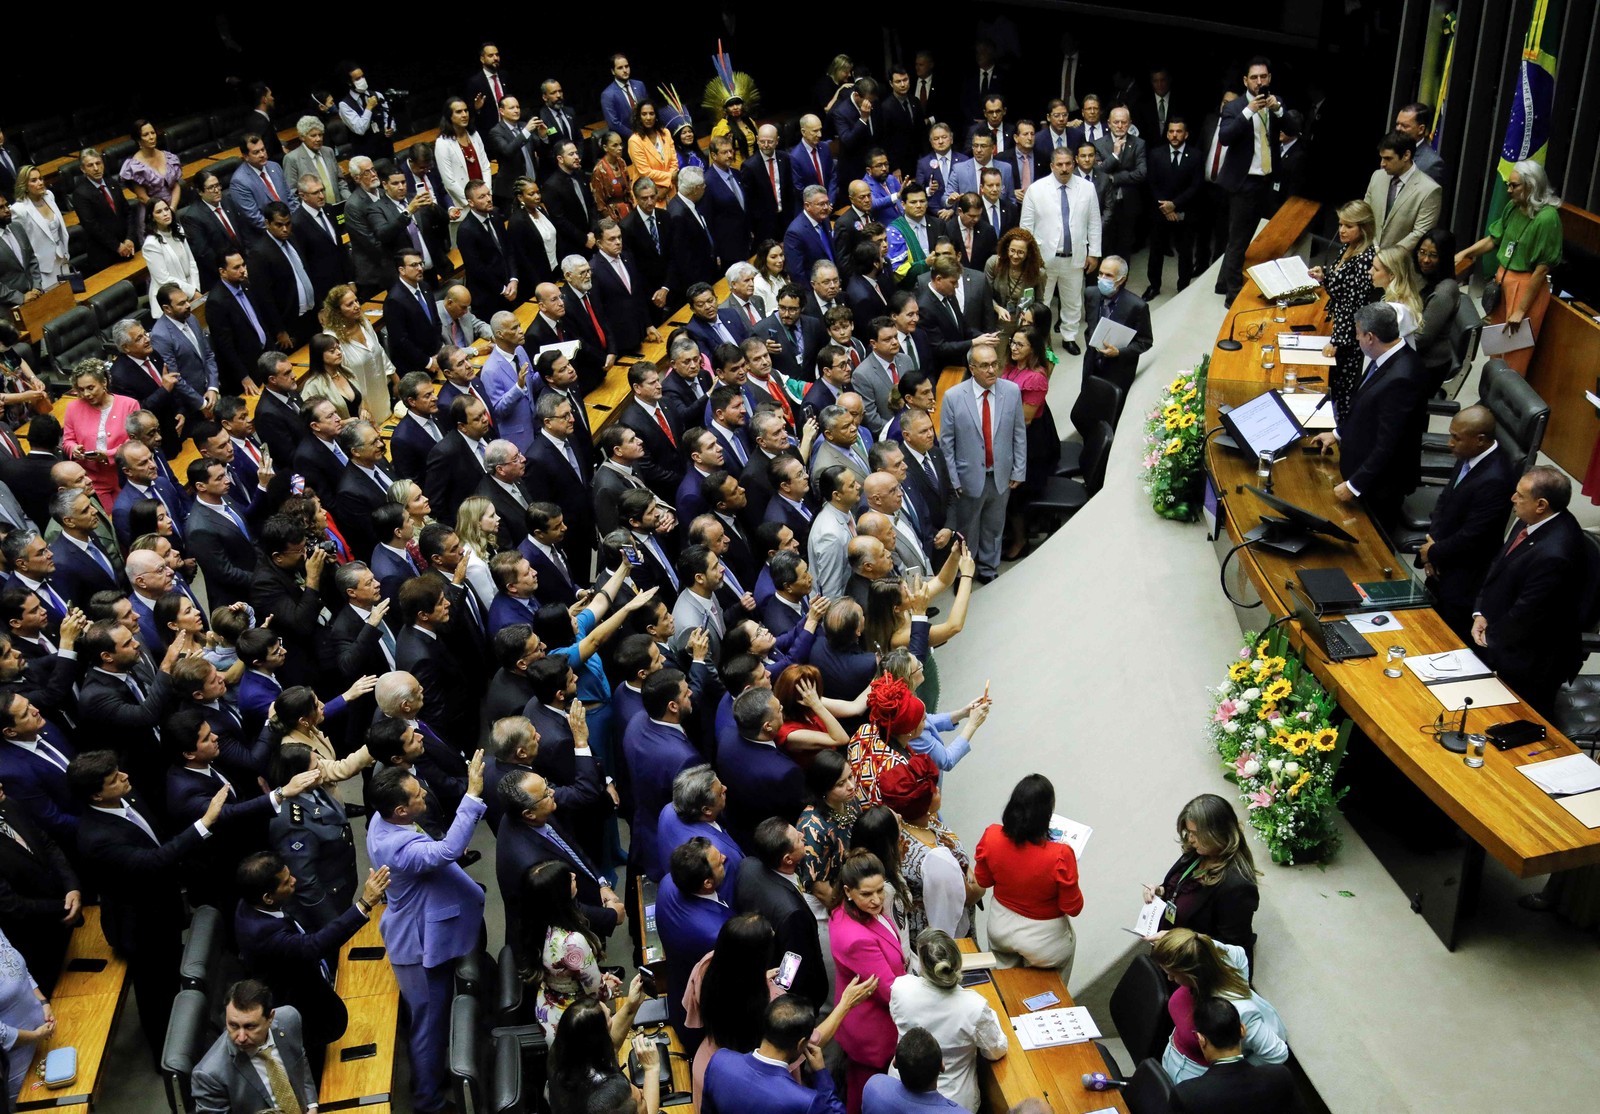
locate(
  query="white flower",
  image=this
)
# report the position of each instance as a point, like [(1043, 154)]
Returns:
[(1231, 727), (1251, 693), (1292, 769), (1275, 765), (1251, 768), (1259, 731)]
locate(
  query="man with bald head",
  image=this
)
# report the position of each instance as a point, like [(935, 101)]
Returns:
[(509, 381), (142, 480), (810, 160), (459, 326), (1469, 520), (887, 498), (151, 578), (869, 558), (768, 179)]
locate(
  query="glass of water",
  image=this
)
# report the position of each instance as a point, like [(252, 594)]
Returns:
[(1264, 465), (1268, 354), (1283, 310), (1291, 379)]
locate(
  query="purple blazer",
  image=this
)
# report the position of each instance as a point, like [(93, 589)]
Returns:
[(435, 908), (672, 833), (868, 1033)]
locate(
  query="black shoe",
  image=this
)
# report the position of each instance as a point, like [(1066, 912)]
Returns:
[(1536, 903), (470, 856), (1227, 300), (1151, 293), (1183, 284), (983, 578), (1072, 350)]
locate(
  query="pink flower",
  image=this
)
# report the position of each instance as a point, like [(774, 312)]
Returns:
[(1244, 653), (1225, 711), (1261, 798)]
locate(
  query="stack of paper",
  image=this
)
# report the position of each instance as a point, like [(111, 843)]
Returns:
[(1312, 411), (1457, 675), (1562, 777), (1585, 808), (1049, 1028), (1298, 348), (1114, 333), (1282, 278), (1070, 832)]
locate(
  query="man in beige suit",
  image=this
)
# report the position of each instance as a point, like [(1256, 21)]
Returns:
[(1405, 201)]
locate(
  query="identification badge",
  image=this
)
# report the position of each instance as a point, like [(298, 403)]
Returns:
[(1169, 915)]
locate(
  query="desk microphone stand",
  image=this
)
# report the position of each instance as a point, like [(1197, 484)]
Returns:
[(1231, 345), (1456, 741)]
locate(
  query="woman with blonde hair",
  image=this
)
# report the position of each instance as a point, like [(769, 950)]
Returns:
[(477, 525), (38, 217), (1347, 277), (961, 1021), (1205, 968), (1526, 240), (409, 494), (365, 360), (1394, 272), (1212, 887)]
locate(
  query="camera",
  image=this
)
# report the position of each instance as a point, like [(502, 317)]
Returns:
[(395, 94), (326, 545)]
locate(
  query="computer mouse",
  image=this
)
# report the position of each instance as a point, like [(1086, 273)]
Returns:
[(1379, 620)]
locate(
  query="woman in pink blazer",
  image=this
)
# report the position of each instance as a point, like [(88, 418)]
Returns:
[(865, 943), (92, 427)]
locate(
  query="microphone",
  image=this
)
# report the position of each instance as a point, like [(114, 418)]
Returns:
[(1231, 345), (1100, 1081), (1456, 741)]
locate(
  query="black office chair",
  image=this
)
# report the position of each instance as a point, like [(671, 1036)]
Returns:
[(1139, 1012), (1099, 400), (116, 302), (116, 154), (1150, 1091), (93, 126), (72, 337), (190, 1031), (202, 952), (1061, 497), (78, 248), (512, 1006), (1577, 707), (47, 139), (335, 134), (224, 169), (473, 1060)]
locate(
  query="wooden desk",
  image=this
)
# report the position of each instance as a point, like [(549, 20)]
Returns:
[(373, 1020), (1502, 812), (1053, 1074), (1563, 367), (681, 1065), (84, 1022), (360, 978), (89, 942)]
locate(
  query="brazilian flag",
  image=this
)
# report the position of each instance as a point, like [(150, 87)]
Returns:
[(1528, 129)]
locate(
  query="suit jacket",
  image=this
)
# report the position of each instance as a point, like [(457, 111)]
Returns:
[(19, 273), (1038, 159), (662, 467), (693, 257), (314, 460), (28, 477), (251, 195), (792, 362), (447, 701), (350, 649), (226, 556), (377, 230), (209, 240), (946, 327), (272, 275), (606, 490), (356, 496), (805, 242), (1380, 438), (486, 256), (1237, 135), (413, 330), (589, 361), (1127, 170), (688, 926), (1468, 529), (932, 499), (1239, 1087), (280, 428), (512, 406), (512, 514), (106, 219), (648, 257), (297, 619), (736, 1082), (860, 951), (655, 754), (235, 341), (519, 847), (1416, 208), (34, 883), (1179, 183), (727, 215), (508, 144), (961, 437), (327, 260), (763, 890), (141, 906), (762, 781), (628, 308), (706, 337), (554, 585), (78, 575), (769, 215), (197, 365), (1041, 215), (435, 908), (678, 397), (866, 301), (131, 380), (409, 446), (855, 137), (983, 241), (38, 787), (226, 1080), (1535, 597), (570, 208), (287, 953), (965, 177), (803, 172), (616, 109), (1130, 310), (873, 382)]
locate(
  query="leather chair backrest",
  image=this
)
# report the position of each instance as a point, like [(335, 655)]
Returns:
[(201, 952), (509, 989), (466, 1048), (224, 168), (336, 135), (1150, 1091), (73, 336), (93, 126), (1465, 329), (78, 248), (115, 302), (1098, 400), (190, 1031), (1139, 1009), (46, 139), (1520, 415), (186, 133), (1096, 452), (507, 1088), (116, 154), (1591, 580)]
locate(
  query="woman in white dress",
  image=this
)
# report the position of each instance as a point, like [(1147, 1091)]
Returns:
[(167, 254), (959, 1019), (770, 275), (477, 524), (365, 361), (459, 153), (36, 214)]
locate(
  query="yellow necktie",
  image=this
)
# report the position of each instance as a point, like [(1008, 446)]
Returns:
[(327, 183), (283, 1096), (1264, 118)]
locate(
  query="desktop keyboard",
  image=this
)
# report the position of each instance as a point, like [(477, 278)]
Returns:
[(1343, 641)]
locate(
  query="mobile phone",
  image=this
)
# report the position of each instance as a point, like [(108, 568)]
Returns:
[(359, 954), (1302, 328), (357, 1052), (647, 980), (1040, 1001), (86, 963), (788, 968), (632, 554)]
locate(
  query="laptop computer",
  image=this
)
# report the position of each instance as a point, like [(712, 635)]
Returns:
[(1336, 638)]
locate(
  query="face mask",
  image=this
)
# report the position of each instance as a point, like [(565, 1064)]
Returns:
[(1107, 287), (361, 86)]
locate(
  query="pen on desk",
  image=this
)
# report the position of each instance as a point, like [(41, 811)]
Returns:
[(1545, 750)]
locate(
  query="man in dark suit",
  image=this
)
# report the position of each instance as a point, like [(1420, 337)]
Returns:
[(484, 88), (141, 904), (767, 885), (39, 893), (569, 203), (927, 482), (280, 273), (214, 224), (559, 473), (761, 781), (547, 529), (82, 567), (768, 178), (358, 642), (693, 257), (856, 128), (1468, 524), (1232, 1084), (363, 485), (503, 486), (940, 314), (809, 237), (645, 237), (33, 758), (656, 750), (179, 339), (1177, 176), (138, 372), (20, 278), (455, 464), (898, 120), (287, 583), (103, 213), (1249, 130), (278, 416), (690, 914), (620, 286), (793, 338), (578, 779), (244, 323), (1539, 592), (486, 254), (983, 79), (530, 835), (378, 227), (419, 430), (1028, 159), (726, 203), (1122, 306), (316, 236), (220, 532), (970, 231), (711, 326), (588, 319), (811, 161), (516, 145), (658, 428), (318, 457), (420, 650), (686, 383), (1380, 438), (410, 319)]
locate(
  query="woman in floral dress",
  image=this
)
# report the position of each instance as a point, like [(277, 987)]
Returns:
[(1348, 281), (559, 950)]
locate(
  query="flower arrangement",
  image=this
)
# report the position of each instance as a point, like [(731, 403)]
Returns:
[(1174, 462), (1273, 725)]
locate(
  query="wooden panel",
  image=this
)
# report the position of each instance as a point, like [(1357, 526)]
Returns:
[(33, 316), (133, 268), (373, 1020), (89, 942), (682, 1065), (358, 978), (1565, 363), (1282, 232), (84, 1022)]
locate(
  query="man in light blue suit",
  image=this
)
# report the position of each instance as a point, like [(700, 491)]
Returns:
[(435, 912), (510, 382), (966, 177), (182, 343), (258, 183), (759, 1082), (984, 466), (618, 98)]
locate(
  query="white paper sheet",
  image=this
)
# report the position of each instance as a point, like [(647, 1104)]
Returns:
[(1452, 665), (1305, 342), (1485, 692), (567, 348), (1585, 808), (1049, 1028), (1305, 408), (1306, 357), (1111, 332), (1149, 919), (1495, 340), (1070, 832), (1571, 774)]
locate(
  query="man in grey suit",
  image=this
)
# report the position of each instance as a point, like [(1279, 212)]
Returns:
[(838, 444), (19, 269), (985, 444), (181, 342), (876, 377), (1122, 157), (259, 1062), (1404, 200), (11, 511)]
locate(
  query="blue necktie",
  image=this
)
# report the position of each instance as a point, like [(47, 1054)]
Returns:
[(655, 237), (1066, 221), (54, 602), (655, 548), (386, 638), (827, 248), (302, 281), (242, 296), (577, 860), (572, 457), (338, 453), (234, 518), (100, 559)]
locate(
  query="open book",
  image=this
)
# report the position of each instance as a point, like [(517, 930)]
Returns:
[(1282, 278)]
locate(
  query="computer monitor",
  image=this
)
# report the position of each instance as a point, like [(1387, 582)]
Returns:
[(1292, 532), (1263, 425)]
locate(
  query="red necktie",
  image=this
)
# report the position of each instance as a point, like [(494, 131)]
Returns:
[(750, 312), (1516, 541), (627, 91), (595, 321), (772, 176), (227, 226), (988, 434), (111, 202), (816, 164), (151, 368), (894, 373), (1216, 155), (855, 359), (254, 453), (265, 181), (661, 420), (498, 95)]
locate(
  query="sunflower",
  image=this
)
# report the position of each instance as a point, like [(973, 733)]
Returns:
[(1261, 648), (1281, 739), (1177, 384), (1172, 411), (1174, 447), (1190, 394), (1300, 742), (1277, 690), (1276, 665), (1294, 790), (1325, 739), (1185, 421), (1267, 710), (1171, 424), (1238, 671)]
